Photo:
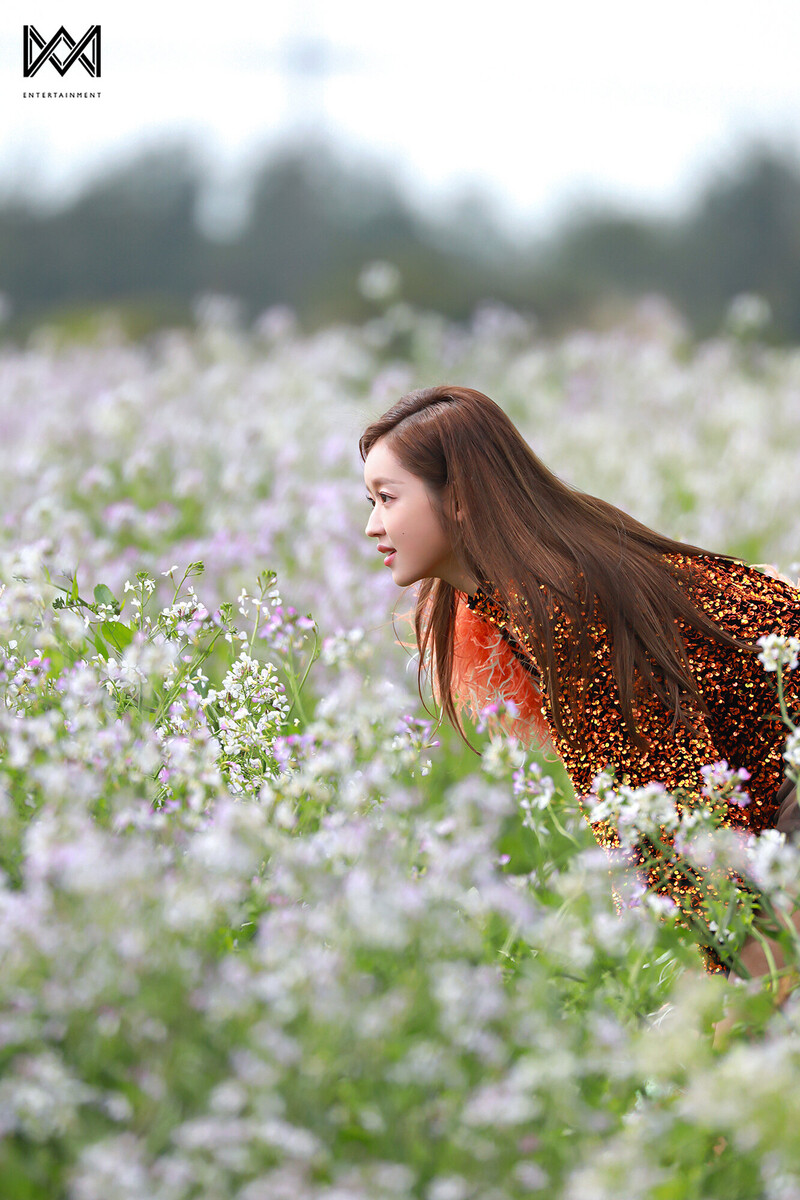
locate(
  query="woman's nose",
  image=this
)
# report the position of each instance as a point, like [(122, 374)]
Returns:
[(373, 524)]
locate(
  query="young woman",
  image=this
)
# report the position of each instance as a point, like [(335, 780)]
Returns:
[(621, 647)]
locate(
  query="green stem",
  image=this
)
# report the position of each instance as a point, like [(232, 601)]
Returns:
[(509, 940), (296, 689), (186, 669), (259, 615), (570, 837), (765, 946), (782, 700)]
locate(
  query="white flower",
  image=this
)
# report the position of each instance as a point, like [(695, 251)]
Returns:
[(779, 650), (747, 313), (502, 756), (662, 906), (379, 280), (535, 791), (635, 812), (774, 863), (792, 751), (346, 647), (725, 780)]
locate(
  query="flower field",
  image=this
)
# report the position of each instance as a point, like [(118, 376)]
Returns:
[(266, 932)]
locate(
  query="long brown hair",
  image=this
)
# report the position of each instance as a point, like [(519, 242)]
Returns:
[(522, 527)]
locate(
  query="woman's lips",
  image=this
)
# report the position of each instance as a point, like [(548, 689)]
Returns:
[(389, 558)]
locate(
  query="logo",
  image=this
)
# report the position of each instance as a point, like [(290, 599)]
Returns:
[(62, 51)]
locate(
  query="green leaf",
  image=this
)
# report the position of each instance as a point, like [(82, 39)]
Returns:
[(104, 595), (100, 646), (57, 664), (74, 591), (117, 634)]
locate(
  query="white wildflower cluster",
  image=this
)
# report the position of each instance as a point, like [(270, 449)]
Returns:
[(351, 754), (379, 281), (281, 626), (346, 647), (635, 813), (42, 1097), (721, 934), (779, 650), (774, 864), (792, 751), (146, 584), (496, 715), (27, 681), (308, 769), (28, 739), (534, 791), (40, 712), (252, 709), (82, 698), (70, 626), (661, 906), (67, 737), (190, 769), (652, 813), (217, 310), (278, 323), (105, 612), (150, 659), (722, 783), (336, 922), (699, 827), (502, 756), (187, 616), (408, 743), (21, 564), (748, 314), (717, 852)]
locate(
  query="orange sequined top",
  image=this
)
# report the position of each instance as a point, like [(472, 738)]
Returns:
[(740, 694)]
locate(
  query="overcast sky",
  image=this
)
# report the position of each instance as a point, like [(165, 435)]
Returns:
[(536, 104)]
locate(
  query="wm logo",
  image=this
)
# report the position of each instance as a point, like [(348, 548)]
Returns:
[(62, 50)]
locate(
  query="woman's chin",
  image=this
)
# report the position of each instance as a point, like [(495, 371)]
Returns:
[(407, 579), (399, 578)]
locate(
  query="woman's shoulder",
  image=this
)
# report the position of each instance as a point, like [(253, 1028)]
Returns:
[(487, 603), (482, 600)]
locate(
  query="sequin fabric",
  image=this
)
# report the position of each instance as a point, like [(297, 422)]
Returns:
[(744, 727)]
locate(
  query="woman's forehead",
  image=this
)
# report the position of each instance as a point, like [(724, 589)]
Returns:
[(381, 460), (380, 481)]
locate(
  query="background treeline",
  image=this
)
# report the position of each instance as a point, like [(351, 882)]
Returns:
[(135, 238)]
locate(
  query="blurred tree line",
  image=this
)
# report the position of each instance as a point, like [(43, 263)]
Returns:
[(135, 239)]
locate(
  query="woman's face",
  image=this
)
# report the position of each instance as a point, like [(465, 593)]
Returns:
[(407, 526)]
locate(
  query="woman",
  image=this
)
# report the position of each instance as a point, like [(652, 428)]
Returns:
[(624, 648)]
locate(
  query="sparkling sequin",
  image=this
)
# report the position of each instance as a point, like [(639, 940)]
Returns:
[(744, 727)]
